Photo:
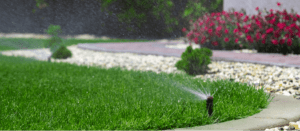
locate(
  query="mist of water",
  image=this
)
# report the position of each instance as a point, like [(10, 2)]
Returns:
[(201, 95)]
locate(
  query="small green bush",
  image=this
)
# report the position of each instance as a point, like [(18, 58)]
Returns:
[(62, 53), (194, 62)]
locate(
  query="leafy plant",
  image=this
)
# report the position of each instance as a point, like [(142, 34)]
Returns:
[(54, 41), (216, 31), (194, 62), (62, 53), (273, 33)]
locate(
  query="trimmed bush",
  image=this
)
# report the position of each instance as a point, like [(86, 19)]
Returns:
[(194, 62), (62, 53)]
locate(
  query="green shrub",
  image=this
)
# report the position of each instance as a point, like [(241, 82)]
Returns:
[(62, 53), (194, 62), (54, 42)]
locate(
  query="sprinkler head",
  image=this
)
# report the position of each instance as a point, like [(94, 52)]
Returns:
[(49, 59), (209, 105)]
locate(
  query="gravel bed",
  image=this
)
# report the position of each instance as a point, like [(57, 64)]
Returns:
[(277, 80)]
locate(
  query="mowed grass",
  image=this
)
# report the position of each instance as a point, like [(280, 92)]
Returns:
[(39, 95)]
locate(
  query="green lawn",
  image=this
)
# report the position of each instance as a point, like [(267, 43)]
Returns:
[(40, 95)]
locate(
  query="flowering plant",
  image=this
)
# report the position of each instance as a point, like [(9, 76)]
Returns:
[(218, 29), (273, 33)]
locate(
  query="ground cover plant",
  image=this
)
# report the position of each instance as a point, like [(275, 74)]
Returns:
[(63, 96)]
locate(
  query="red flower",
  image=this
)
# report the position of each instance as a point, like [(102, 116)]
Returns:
[(289, 42), (211, 24), (248, 37), (189, 34), (287, 28), (257, 36), (282, 41), (226, 39), (274, 42), (272, 21), (263, 36), (271, 10), (286, 17), (235, 30), (226, 31), (210, 31), (183, 29), (219, 28), (278, 4), (263, 41), (246, 30), (203, 39), (200, 23), (256, 8), (241, 14), (236, 40), (270, 30), (215, 43), (258, 23), (298, 34), (196, 39), (246, 18)]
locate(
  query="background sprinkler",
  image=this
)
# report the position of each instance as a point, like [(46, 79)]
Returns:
[(209, 105)]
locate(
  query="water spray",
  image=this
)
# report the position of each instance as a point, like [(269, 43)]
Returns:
[(209, 99), (202, 96)]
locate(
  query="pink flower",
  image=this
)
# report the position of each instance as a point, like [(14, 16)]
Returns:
[(189, 34), (215, 43), (196, 39), (289, 42), (246, 18), (258, 23), (211, 24), (272, 21), (210, 30), (183, 29), (200, 23), (263, 36), (282, 41), (235, 30), (236, 40), (263, 41), (248, 37), (298, 34), (219, 28), (256, 8), (274, 42), (226, 31), (278, 4), (246, 30), (257, 36), (203, 39), (270, 30), (271, 10), (226, 39), (241, 14)]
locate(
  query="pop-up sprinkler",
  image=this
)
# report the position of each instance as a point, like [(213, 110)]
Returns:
[(209, 105), (209, 99)]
